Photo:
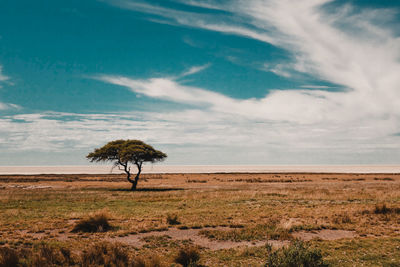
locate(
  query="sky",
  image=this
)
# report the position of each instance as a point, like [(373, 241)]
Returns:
[(223, 82)]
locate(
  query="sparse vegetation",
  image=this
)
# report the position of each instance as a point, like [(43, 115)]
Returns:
[(34, 208), (383, 209), (106, 254), (297, 254), (257, 232)]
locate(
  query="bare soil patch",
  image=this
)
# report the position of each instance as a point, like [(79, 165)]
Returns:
[(325, 234), (195, 238)]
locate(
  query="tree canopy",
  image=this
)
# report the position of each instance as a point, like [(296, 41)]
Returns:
[(125, 152)]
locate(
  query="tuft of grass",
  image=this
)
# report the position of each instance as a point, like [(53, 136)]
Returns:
[(153, 261), (41, 255), (47, 255), (8, 257), (383, 209), (172, 219), (188, 256), (105, 254), (342, 219), (93, 224), (297, 254)]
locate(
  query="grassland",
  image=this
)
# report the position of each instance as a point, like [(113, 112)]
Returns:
[(354, 219)]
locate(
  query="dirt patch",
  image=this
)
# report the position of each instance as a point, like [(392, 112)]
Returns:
[(325, 234), (193, 236), (31, 186)]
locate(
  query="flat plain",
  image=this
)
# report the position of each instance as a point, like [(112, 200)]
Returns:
[(354, 219)]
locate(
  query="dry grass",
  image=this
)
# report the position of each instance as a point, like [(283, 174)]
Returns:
[(246, 202), (188, 256), (93, 224)]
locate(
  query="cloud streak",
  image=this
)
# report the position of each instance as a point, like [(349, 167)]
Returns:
[(343, 45), (3, 79)]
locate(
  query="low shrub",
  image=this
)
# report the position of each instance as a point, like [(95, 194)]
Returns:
[(383, 209), (8, 257), (93, 224), (46, 255), (40, 255), (172, 219), (154, 261), (188, 256), (296, 255), (105, 254)]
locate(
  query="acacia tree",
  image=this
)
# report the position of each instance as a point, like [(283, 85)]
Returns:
[(124, 153)]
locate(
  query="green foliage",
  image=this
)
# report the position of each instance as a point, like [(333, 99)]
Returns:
[(296, 255), (93, 224), (124, 151)]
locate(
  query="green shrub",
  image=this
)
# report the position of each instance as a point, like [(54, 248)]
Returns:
[(296, 255), (93, 224)]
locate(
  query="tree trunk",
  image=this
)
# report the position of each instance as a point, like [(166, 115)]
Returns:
[(128, 174), (135, 182)]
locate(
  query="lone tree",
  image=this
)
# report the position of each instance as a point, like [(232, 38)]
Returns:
[(124, 153)]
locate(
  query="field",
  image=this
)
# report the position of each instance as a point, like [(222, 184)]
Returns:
[(229, 218)]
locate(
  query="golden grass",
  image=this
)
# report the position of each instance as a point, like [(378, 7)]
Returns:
[(250, 201)]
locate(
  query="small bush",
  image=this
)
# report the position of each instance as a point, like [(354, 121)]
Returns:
[(342, 218), (188, 256), (172, 219), (8, 257), (46, 255), (93, 224), (105, 254), (381, 209), (297, 254)]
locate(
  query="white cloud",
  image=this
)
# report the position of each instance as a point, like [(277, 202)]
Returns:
[(194, 70), (344, 46), (198, 137), (4, 78)]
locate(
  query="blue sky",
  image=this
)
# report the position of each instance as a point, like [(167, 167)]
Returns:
[(208, 82)]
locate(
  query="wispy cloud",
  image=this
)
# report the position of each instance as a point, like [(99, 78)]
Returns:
[(199, 136), (336, 45), (5, 79), (194, 70)]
